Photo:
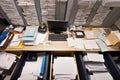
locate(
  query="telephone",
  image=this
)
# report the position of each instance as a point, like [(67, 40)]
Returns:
[(42, 28)]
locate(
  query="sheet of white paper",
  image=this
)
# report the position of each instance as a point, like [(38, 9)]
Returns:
[(64, 65), (102, 76), (90, 44), (40, 38), (70, 42), (90, 34), (16, 40), (78, 43), (8, 60), (95, 57), (31, 68)]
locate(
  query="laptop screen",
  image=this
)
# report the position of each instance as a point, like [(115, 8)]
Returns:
[(57, 26)]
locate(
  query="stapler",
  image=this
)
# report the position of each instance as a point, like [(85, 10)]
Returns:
[(42, 28)]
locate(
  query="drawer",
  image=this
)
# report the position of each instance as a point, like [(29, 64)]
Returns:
[(32, 63), (86, 73), (6, 74), (59, 58)]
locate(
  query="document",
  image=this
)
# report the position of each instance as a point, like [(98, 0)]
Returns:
[(40, 38), (102, 76), (8, 59), (95, 57), (95, 67), (94, 62), (90, 34), (70, 42), (16, 40), (91, 44), (64, 67), (79, 43), (31, 70), (76, 43)]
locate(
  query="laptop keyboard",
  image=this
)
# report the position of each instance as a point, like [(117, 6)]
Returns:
[(58, 37)]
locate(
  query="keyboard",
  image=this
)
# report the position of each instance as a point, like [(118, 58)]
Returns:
[(58, 37)]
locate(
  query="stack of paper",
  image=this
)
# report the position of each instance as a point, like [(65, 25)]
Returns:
[(94, 63), (91, 44), (16, 41), (101, 76), (76, 43), (6, 60), (31, 70), (64, 68), (29, 35), (90, 34), (93, 57)]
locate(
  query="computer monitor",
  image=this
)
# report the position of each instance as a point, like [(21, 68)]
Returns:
[(57, 26)]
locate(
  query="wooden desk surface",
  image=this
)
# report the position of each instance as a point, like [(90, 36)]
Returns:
[(56, 46), (53, 46)]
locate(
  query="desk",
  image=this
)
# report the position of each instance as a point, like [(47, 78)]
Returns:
[(56, 46)]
